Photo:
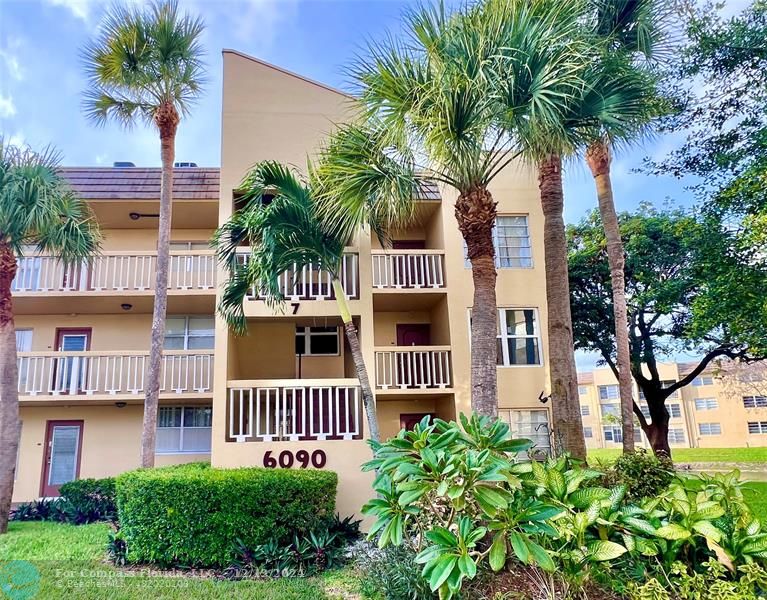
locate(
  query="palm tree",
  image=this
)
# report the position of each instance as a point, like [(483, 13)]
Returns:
[(285, 235), (145, 65), (438, 97), (628, 30), (38, 210)]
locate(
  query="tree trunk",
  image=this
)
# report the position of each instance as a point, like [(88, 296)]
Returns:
[(565, 404), (368, 400), (599, 158), (167, 122), (657, 429), (475, 212), (9, 391)]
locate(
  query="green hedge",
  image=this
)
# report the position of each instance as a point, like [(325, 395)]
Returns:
[(193, 515)]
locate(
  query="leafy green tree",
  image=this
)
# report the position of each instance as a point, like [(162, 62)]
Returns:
[(723, 115), (452, 94), (688, 289), (38, 212), (146, 65)]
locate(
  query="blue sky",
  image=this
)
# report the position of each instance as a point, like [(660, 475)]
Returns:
[(41, 81)]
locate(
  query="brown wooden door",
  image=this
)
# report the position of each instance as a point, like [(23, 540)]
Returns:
[(413, 334), (409, 420), (61, 459)]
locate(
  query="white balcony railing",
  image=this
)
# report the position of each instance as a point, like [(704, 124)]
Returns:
[(310, 283), (112, 373), (115, 272), (413, 367), (412, 269), (294, 410)]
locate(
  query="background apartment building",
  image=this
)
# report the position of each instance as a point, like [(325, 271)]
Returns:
[(714, 411), (286, 393)]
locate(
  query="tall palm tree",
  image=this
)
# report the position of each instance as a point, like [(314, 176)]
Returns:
[(628, 30), (37, 210), (286, 235), (146, 65), (437, 97)]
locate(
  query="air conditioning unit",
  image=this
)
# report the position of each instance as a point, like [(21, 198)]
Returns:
[(182, 165), (122, 164)]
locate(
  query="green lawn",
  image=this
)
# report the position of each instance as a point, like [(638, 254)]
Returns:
[(685, 455), (71, 564), (756, 495)]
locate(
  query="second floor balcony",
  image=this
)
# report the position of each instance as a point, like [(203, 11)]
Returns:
[(104, 375), (408, 269), (116, 273)]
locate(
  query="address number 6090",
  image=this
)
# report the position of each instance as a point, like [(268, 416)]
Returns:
[(286, 459)]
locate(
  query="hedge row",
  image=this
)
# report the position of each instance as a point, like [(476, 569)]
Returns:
[(193, 515)]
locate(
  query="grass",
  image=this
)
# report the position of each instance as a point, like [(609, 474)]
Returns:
[(756, 496), (71, 563), (686, 455)]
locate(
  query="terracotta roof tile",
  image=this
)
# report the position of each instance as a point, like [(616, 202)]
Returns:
[(138, 183)]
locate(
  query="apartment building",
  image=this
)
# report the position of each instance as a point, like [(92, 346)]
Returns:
[(714, 411), (286, 393)]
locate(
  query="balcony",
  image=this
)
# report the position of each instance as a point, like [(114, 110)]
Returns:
[(310, 282), (408, 270), (413, 368), (109, 375), (272, 410), (119, 272)]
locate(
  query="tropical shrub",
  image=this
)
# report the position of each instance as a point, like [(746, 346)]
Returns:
[(194, 515), (644, 474), (390, 573), (713, 583), (459, 492)]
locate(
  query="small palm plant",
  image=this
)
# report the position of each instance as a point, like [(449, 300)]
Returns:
[(37, 211), (146, 65), (287, 234)]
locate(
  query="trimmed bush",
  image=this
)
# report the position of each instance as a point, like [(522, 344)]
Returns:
[(644, 474), (91, 496), (194, 515)]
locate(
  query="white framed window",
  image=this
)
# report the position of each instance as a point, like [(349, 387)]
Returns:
[(611, 410), (190, 333), (754, 401), (587, 432), (190, 245), (518, 337), (511, 240), (613, 433), (317, 341), (609, 392), (675, 410), (583, 390), (710, 428), (668, 383), (585, 410), (645, 410), (706, 403), (23, 340), (757, 427), (703, 380), (184, 429), (676, 436), (530, 424)]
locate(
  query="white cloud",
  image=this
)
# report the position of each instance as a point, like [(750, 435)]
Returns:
[(9, 58), (7, 107), (79, 8)]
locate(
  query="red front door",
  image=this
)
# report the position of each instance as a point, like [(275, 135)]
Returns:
[(61, 458), (410, 420), (408, 244)]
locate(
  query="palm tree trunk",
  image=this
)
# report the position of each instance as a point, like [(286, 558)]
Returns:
[(368, 400), (475, 212), (599, 157), (167, 122), (565, 405), (9, 391)]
